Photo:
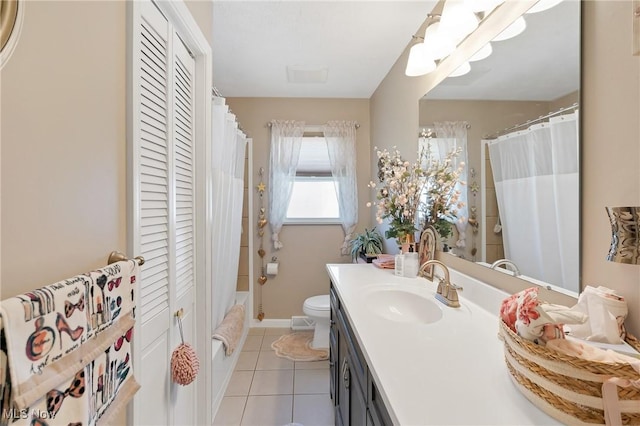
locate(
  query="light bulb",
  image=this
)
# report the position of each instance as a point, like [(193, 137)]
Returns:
[(512, 30), (461, 70), (437, 43), (543, 5), (419, 63), (485, 6), (483, 53), (458, 20)]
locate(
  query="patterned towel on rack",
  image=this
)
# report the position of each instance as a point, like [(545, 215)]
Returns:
[(75, 331)]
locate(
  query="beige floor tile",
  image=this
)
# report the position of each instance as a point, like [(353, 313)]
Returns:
[(268, 360), (268, 340), (276, 331), (273, 410), (311, 365), (311, 381), (247, 361), (273, 382), (230, 411), (256, 331), (252, 344), (239, 384), (313, 410)]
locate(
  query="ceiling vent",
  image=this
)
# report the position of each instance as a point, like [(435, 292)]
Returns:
[(306, 75)]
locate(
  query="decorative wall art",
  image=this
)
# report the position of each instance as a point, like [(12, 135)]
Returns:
[(262, 222)]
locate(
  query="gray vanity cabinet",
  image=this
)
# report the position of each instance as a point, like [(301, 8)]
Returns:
[(353, 391)]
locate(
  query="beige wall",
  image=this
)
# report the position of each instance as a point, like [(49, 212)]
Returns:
[(610, 143), (63, 143), (306, 249), (610, 148)]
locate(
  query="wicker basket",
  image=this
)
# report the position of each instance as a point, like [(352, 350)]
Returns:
[(569, 388)]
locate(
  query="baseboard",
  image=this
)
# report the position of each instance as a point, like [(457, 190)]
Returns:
[(270, 323)]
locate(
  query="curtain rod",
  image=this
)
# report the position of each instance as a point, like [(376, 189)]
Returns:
[(429, 132), (269, 124), (530, 122)]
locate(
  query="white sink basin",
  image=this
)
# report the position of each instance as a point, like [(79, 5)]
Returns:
[(402, 306)]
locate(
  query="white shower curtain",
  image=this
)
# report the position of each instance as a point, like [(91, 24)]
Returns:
[(341, 144), (286, 139), (536, 178), (227, 180), (452, 135)]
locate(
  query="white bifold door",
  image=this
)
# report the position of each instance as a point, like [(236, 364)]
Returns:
[(162, 200)]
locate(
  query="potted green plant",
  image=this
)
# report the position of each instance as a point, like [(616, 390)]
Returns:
[(368, 245)]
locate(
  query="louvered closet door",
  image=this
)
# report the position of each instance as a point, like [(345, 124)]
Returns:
[(164, 220), (184, 412)]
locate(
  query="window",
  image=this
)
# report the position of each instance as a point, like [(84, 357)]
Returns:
[(313, 199)]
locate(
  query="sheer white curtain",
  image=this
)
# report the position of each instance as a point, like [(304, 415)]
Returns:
[(341, 144), (536, 178), (227, 176), (451, 135), (286, 139)]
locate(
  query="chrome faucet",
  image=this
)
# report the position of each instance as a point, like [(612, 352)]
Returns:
[(506, 262), (447, 292)]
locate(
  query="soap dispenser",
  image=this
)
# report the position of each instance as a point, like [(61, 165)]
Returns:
[(411, 263)]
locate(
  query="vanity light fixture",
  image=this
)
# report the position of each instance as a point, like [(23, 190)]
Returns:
[(485, 6), (625, 235), (458, 20), (419, 62), (461, 70), (483, 53), (512, 30), (439, 44), (543, 5)]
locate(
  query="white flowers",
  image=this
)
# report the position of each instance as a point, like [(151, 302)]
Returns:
[(428, 185)]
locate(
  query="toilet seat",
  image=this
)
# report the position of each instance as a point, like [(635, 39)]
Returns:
[(318, 305)]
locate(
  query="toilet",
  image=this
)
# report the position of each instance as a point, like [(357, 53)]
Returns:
[(317, 308)]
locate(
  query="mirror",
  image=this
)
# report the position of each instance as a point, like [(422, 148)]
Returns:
[(526, 77)]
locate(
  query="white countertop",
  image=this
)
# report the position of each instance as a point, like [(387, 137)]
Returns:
[(448, 372)]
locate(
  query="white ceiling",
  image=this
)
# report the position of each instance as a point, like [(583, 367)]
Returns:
[(359, 41)]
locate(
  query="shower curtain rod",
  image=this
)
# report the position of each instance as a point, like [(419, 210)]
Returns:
[(530, 122), (269, 124)]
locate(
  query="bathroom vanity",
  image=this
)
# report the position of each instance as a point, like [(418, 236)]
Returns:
[(400, 357)]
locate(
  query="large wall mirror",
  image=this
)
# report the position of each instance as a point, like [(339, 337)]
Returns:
[(521, 104)]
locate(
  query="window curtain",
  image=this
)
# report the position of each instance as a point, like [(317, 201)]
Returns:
[(453, 135), (536, 178), (286, 139), (341, 144)]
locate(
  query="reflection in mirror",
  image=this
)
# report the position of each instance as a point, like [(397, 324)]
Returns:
[(507, 99)]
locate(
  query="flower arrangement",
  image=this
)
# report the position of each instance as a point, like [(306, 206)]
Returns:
[(427, 186), (442, 196)]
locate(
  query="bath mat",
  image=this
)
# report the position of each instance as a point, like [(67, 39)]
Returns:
[(297, 347)]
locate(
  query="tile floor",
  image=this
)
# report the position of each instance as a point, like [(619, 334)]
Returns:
[(267, 390)]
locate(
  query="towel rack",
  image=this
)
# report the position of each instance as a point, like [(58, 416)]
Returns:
[(117, 256)]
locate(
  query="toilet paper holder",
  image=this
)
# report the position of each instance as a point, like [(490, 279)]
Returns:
[(272, 267)]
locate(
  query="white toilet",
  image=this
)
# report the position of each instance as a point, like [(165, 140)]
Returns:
[(317, 308)]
